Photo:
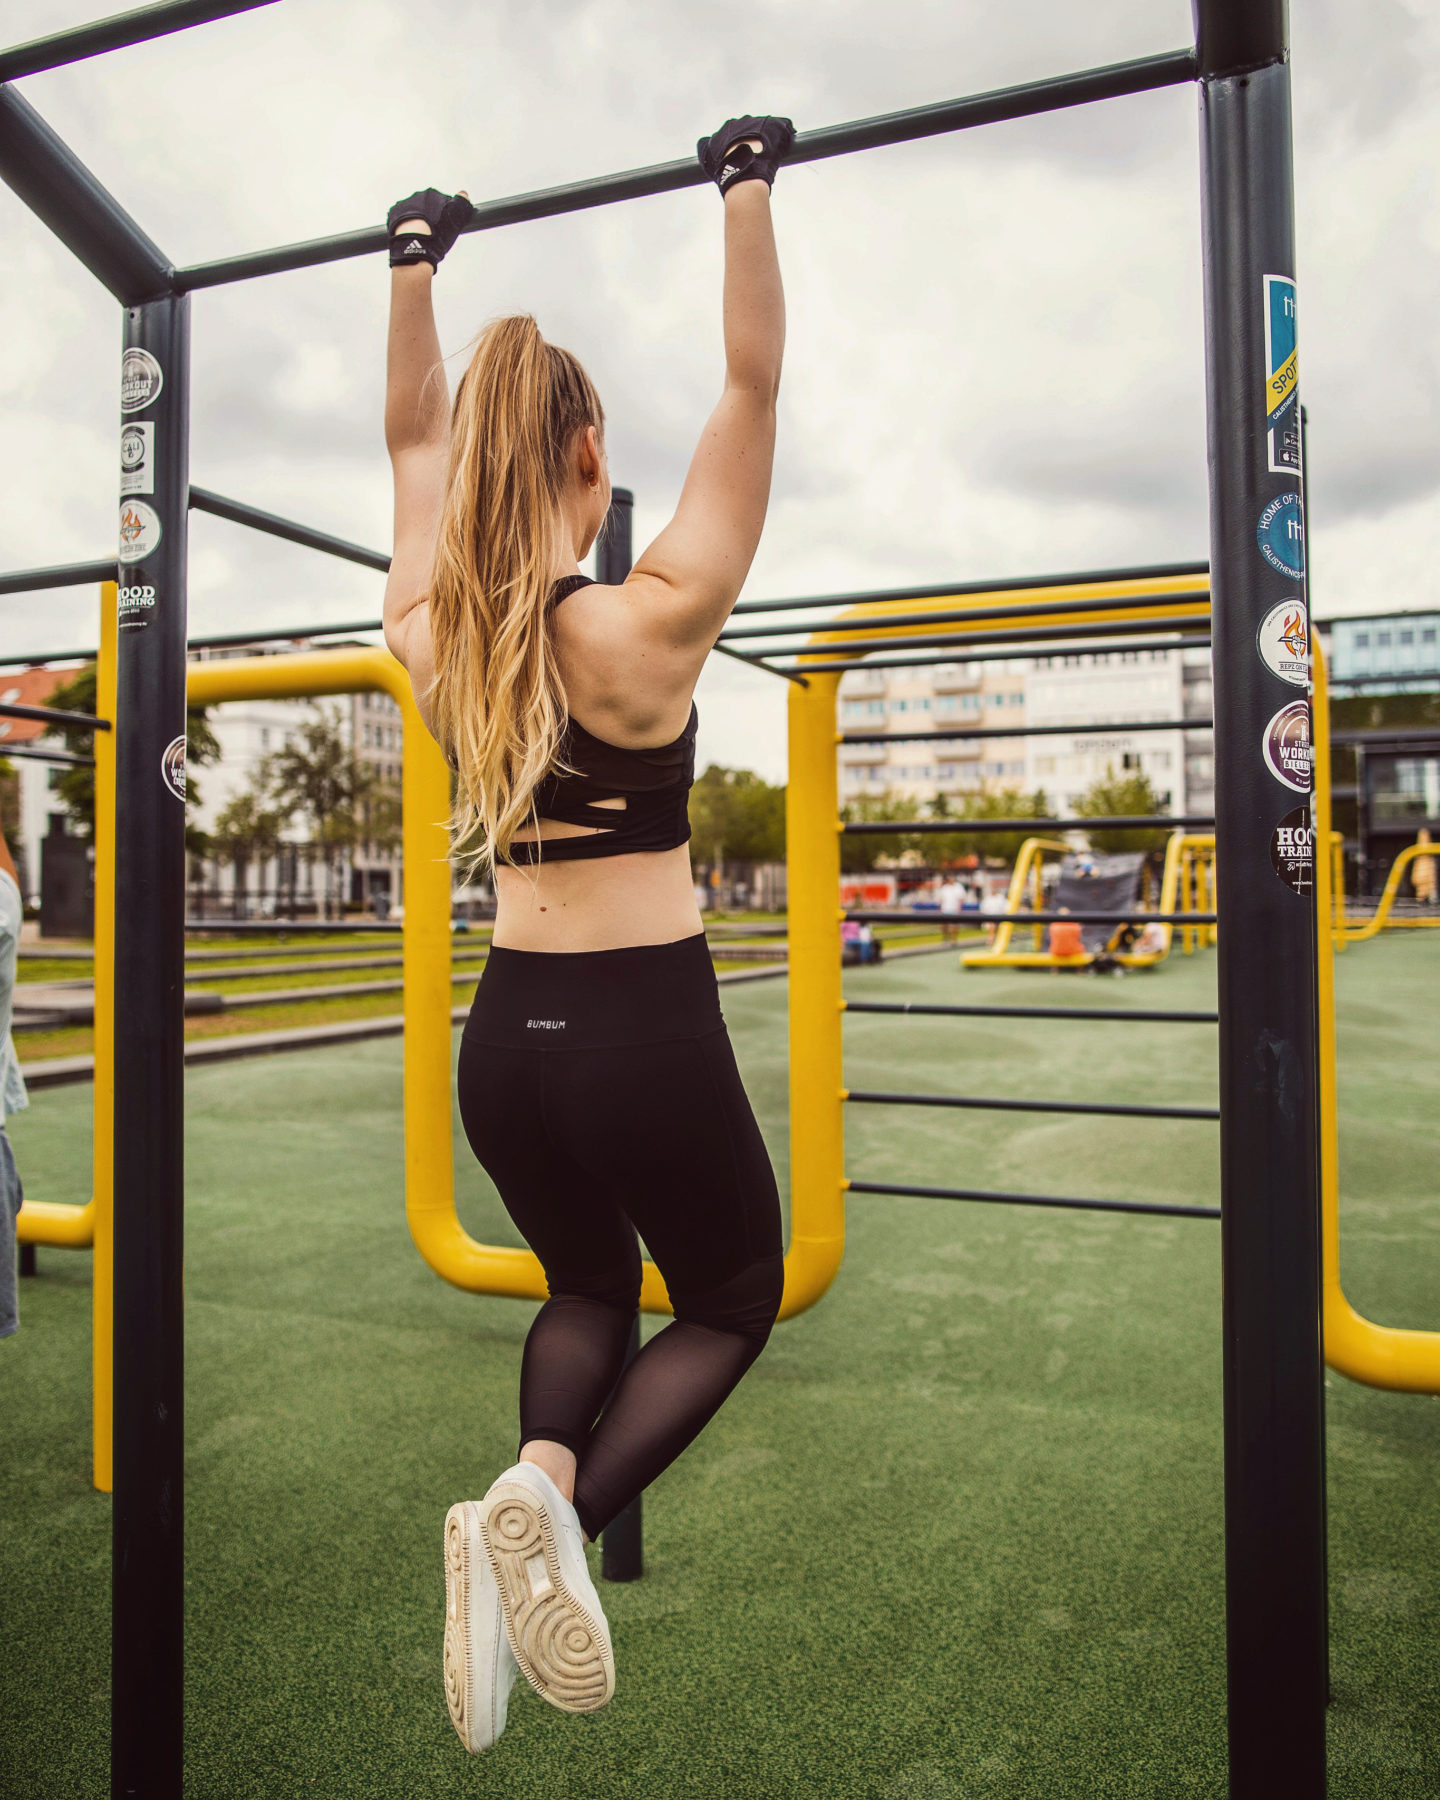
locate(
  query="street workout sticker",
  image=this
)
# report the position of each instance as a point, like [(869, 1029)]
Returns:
[(141, 379), (1287, 746), (172, 767), (1282, 376)]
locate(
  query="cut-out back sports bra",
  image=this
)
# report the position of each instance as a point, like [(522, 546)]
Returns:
[(654, 784)]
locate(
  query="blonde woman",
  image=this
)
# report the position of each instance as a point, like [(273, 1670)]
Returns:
[(596, 1080)]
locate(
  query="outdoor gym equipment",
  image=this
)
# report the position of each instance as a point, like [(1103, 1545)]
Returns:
[(1271, 1083)]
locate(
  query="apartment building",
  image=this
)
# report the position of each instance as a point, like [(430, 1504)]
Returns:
[(985, 696)]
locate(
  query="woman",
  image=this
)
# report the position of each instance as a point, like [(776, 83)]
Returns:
[(596, 1081)]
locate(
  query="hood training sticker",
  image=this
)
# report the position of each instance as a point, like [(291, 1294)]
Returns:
[(141, 379), (1283, 641), (1281, 535), (1282, 411), (139, 531), (172, 767), (1292, 851), (1287, 746), (136, 607)]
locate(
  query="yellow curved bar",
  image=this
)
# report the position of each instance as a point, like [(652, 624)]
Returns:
[(1382, 1356), (1359, 934), (1029, 867)]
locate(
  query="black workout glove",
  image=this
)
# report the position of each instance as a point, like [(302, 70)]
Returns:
[(445, 214), (742, 163)]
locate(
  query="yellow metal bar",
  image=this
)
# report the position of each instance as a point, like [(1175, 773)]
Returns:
[(1359, 934), (1381, 1355)]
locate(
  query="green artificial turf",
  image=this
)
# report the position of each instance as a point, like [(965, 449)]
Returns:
[(957, 1537)]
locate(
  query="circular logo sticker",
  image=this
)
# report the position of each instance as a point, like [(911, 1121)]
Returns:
[(172, 767), (1287, 746), (139, 531), (1292, 851), (1283, 641), (1281, 535), (132, 447), (141, 379)]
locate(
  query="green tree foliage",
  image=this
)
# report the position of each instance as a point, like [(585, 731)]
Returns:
[(76, 786), (1124, 796), (247, 830), (939, 849), (736, 816), (857, 854), (318, 778)]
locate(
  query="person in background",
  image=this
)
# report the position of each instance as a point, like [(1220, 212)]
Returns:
[(952, 903), (12, 1089)]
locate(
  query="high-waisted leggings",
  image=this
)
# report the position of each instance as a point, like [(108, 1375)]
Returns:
[(600, 1093)]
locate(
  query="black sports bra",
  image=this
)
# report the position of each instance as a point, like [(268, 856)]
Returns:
[(654, 784)]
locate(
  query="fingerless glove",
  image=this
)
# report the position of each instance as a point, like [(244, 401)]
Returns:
[(727, 159), (445, 214)]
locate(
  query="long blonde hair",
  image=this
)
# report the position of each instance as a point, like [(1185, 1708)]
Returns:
[(497, 705)]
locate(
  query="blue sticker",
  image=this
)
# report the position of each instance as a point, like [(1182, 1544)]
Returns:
[(1281, 535), (1282, 376)]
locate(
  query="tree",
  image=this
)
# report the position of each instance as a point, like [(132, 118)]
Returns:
[(736, 816), (1124, 796), (76, 786), (247, 829), (857, 854), (318, 778)]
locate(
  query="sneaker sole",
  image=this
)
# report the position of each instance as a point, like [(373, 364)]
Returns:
[(559, 1645), (462, 1533)]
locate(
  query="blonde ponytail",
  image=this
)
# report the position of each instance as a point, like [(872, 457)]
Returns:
[(496, 704)]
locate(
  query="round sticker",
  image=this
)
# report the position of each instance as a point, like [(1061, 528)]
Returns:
[(1287, 746), (1281, 535), (172, 767), (139, 531), (1283, 641), (141, 379), (132, 446), (1292, 851)]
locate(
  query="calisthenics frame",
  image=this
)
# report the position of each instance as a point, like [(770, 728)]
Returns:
[(1274, 1439)]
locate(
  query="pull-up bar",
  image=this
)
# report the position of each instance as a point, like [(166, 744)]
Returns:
[(116, 33)]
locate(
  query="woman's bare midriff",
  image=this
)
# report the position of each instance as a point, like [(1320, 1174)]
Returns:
[(601, 903)]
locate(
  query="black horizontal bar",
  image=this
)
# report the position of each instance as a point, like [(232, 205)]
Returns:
[(1159, 1208), (864, 1097), (284, 927), (231, 641), (63, 194), (963, 615), (754, 662), (52, 715), (51, 756), (1114, 1013), (666, 178), (848, 665), (1366, 739), (1023, 637), (238, 513), (1140, 822), (1006, 585), (26, 581), (115, 33), (1010, 731), (893, 915)]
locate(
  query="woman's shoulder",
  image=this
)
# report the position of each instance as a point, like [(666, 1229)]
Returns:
[(621, 683)]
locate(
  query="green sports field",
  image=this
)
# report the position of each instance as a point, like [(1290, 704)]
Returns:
[(956, 1538)]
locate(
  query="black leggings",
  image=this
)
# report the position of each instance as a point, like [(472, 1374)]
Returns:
[(600, 1093)]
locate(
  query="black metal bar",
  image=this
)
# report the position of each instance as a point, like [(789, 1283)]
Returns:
[(900, 915), (285, 927), (26, 754), (848, 665), (1042, 634), (28, 1265), (63, 194), (1160, 1208), (230, 640), (1113, 1013), (147, 1676), (1009, 731), (754, 662), (1270, 1244), (52, 715), (1004, 585), (1142, 822), (31, 581), (116, 33), (975, 1102), (238, 513), (962, 615), (1054, 95)]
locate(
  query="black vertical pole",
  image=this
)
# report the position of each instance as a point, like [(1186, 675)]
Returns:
[(147, 1617), (1274, 1372), (622, 1543)]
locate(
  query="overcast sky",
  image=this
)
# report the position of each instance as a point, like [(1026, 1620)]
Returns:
[(995, 363)]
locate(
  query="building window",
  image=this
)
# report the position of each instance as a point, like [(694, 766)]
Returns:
[(1362, 640)]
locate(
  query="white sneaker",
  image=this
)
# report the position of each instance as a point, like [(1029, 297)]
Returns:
[(553, 1616), (479, 1664)]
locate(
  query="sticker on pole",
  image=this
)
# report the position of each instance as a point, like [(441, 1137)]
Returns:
[(1281, 535), (1287, 746), (1292, 851), (137, 459), (141, 379), (172, 767), (1282, 376), (136, 607), (1283, 641), (139, 531)]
